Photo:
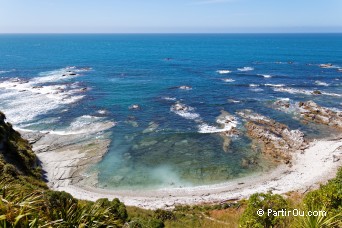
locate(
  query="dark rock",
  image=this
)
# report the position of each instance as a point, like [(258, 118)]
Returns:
[(336, 158)]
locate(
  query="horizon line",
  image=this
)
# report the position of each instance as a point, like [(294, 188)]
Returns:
[(161, 33)]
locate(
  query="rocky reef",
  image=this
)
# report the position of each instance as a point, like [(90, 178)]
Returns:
[(309, 111), (275, 139)]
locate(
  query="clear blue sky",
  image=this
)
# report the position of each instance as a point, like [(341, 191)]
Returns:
[(140, 16)]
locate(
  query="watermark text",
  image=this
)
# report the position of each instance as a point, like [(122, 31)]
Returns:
[(293, 212)]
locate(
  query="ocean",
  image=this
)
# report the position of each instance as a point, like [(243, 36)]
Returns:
[(77, 84)]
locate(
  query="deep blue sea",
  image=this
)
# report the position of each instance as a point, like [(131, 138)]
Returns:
[(72, 84)]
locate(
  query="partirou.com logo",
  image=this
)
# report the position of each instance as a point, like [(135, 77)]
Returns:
[(293, 212)]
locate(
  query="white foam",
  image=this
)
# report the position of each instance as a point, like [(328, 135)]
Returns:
[(187, 112), (275, 85), (256, 89), (184, 111), (253, 85), (252, 116), (228, 123), (332, 94), (293, 91), (223, 71), (207, 129), (321, 83), (228, 80), (24, 100), (303, 91), (233, 101), (184, 87), (84, 125), (265, 75), (188, 115), (5, 71), (58, 75), (169, 98), (329, 65), (246, 69), (102, 112)]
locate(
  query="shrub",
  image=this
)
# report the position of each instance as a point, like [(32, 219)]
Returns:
[(257, 201), (59, 205), (164, 215), (57, 199), (327, 198), (9, 169), (115, 208), (146, 222)]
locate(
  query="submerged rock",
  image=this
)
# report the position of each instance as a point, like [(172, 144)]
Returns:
[(151, 128), (132, 123), (282, 104), (276, 139), (248, 162)]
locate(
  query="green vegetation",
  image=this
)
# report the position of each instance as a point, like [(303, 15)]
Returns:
[(264, 202), (327, 198), (25, 201), (325, 201)]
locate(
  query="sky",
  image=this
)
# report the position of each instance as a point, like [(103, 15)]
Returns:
[(170, 16)]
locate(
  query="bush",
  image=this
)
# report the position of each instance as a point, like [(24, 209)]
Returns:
[(59, 205), (327, 198), (146, 222), (115, 207), (250, 218), (164, 215), (9, 169), (57, 199), (329, 195)]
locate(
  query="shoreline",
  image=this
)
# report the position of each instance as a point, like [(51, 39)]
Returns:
[(65, 164)]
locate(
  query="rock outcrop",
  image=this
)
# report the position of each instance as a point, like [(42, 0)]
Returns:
[(276, 139), (312, 112), (65, 158)]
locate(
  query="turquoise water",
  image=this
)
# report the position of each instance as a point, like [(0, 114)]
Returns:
[(113, 72)]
